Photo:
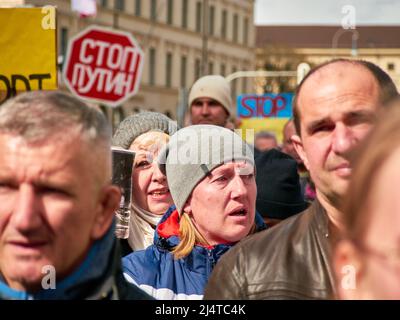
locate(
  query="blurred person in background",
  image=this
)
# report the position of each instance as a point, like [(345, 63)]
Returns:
[(278, 188), (265, 140), (367, 259)]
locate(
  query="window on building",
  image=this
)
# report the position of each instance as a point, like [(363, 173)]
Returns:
[(63, 40), (152, 66), (198, 16), (223, 69), (197, 69), (168, 70), (234, 84), (170, 11), (390, 66), (224, 21), (120, 5), (153, 10), (246, 31), (183, 71), (211, 18), (184, 13), (235, 28), (104, 3), (210, 68), (138, 8)]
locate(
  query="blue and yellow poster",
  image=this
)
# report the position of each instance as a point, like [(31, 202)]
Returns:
[(267, 112)]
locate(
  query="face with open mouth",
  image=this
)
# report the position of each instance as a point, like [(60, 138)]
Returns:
[(222, 205), (150, 189)]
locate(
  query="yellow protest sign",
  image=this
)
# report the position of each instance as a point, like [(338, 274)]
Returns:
[(28, 50), (274, 125)]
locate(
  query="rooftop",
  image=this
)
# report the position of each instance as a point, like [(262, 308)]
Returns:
[(324, 36)]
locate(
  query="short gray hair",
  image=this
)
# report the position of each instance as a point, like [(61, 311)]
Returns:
[(265, 135), (40, 115)]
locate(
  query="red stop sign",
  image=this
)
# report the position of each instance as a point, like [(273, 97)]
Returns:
[(103, 65)]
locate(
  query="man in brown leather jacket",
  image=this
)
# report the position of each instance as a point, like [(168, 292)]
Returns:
[(334, 108)]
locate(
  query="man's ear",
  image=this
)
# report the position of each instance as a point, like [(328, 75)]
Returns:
[(108, 204), (348, 271), (298, 146)]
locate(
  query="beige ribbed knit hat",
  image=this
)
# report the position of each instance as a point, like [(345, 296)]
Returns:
[(215, 87)]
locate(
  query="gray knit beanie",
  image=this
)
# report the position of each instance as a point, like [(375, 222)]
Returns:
[(133, 126), (193, 152)]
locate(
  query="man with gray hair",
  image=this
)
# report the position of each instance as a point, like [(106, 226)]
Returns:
[(265, 140), (57, 202)]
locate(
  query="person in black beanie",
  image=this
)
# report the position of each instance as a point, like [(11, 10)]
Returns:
[(278, 188)]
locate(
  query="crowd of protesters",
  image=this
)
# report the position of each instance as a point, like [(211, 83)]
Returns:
[(211, 216)]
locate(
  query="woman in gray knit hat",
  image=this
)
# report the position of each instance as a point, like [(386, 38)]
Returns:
[(145, 133), (210, 173)]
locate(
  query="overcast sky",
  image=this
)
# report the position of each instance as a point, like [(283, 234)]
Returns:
[(376, 12)]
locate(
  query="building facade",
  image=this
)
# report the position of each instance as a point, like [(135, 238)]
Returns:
[(170, 33), (284, 47)]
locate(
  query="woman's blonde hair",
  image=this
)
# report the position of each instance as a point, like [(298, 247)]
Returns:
[(152, 138), (190, 236)]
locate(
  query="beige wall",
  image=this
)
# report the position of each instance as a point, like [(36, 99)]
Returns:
[(174, 39), (380, 56)]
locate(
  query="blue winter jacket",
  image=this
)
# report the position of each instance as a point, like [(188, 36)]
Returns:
[(98, 277), (157, 272)]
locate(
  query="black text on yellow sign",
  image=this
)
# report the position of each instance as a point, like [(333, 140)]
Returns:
[(28, 50)]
